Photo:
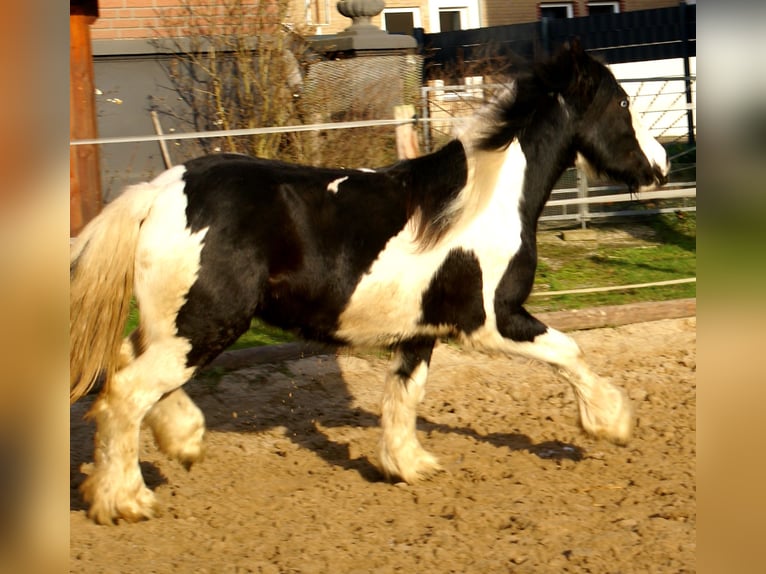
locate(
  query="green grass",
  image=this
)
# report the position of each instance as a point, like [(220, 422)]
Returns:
[(260, 333), (662, 247)]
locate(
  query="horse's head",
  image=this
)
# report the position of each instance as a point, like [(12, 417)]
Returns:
[(608, 133)]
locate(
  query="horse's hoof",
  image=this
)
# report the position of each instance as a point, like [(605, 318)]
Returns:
[(109, 506), (610, 417), (417, 466)]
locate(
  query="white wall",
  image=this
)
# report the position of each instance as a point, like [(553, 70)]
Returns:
[(662, 103)]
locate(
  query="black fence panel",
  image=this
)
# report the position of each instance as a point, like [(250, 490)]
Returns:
[(655, 34)]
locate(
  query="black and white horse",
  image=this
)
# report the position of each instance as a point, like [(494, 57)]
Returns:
[(441, 245)]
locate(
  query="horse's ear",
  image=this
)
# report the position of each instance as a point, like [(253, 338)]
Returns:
[(575, 53), (567, 67), (558, 72), (575, 47)]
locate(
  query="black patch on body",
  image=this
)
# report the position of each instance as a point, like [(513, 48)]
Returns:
[(434, 181), (454, 296), (282, 247)]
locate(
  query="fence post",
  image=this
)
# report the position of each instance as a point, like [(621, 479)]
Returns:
[(85, 198), (582, 193), (545, 35), (426, 114), (687, 72), (406, 138)]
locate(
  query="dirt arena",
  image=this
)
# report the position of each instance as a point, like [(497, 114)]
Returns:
[(289, 483)]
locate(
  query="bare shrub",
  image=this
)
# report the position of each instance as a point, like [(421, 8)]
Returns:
[(234, 64)]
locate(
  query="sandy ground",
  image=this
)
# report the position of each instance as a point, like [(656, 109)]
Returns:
[(289, 483)]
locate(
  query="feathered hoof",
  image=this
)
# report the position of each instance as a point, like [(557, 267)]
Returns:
[(179, 430), (409, 465), (187, 450), (109, 502), (610, 416)]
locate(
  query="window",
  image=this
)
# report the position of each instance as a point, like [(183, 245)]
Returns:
[(595, 8), (558, 11), (448, 15), (450, 20), (400, 20)]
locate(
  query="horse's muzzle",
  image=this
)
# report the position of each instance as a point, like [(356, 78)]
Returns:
[(661, 174)]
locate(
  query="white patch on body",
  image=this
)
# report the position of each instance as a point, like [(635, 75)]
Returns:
[(332, 187), (167, 259), (386, 305)]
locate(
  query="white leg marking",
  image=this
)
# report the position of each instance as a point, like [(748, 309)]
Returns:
[(332, 187), (178, 427), (399, 451), (605, 410)]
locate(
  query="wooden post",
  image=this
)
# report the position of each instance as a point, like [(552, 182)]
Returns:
[(406, 138), (163, 144), (687, 75), (582, 192), (84, 176)]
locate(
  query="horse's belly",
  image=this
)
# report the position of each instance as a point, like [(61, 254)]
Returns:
[(382, 314), (386, 305)]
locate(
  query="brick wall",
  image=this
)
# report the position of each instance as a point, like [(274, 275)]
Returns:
[(129, 19), (142, 19)]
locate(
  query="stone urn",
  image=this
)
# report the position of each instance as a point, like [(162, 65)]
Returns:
[(361, 13)]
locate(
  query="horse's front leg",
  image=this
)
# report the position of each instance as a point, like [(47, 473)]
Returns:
[(605, 410), (400, 453)]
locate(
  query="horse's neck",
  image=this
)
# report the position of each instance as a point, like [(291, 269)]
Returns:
[(548, 148), (495, 180), (514, 182)]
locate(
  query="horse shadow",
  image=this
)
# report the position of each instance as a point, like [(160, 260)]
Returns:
[(307, 412)]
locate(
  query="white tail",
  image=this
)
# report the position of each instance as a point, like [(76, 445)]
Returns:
[(101, 268)]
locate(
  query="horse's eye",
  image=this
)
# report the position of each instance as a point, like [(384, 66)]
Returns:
[(624, 103)]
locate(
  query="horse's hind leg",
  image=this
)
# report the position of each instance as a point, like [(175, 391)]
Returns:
[(115, 487), (177, 424), (605, 410), (400, 452)]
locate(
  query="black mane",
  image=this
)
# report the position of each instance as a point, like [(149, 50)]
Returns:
[(533, 90)]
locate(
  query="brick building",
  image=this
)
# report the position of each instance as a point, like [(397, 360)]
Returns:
[(144, 19)]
